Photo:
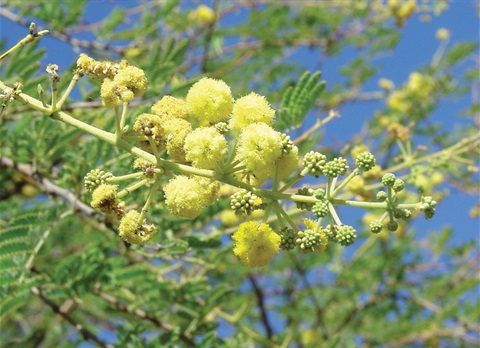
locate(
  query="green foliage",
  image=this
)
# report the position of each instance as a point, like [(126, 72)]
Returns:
[(297, 101), (60, 259)]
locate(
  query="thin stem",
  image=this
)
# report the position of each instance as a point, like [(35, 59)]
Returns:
[(152, 143), (123, 118), (333, 214), (145, 208), (345, 181), (125, 177), (284, 214), (54, 95), (27, 39), (291, 182), (67, 92), (118, 129), (132, 188)]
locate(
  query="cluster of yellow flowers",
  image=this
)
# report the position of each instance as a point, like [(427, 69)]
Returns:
[(209, 129), (417, 90), (197, 132), (211, 137), (400, 10), (120, 82)]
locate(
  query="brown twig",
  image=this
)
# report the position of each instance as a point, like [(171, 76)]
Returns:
[(62, 36), (261, 305), (49, 187), (86, 334), (144, 315)]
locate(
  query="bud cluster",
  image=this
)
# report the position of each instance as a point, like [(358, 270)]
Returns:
[(95, 178), (244, 202)]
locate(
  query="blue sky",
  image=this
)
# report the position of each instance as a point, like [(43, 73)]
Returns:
[(414, 51)]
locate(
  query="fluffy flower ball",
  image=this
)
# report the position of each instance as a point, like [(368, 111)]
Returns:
[(133, 79), (105, 198), (255, 243), (259, 148), (131, 231), (209, 101), (252, 108), (176, 129), (187, 196), (205, 147), (128, 83), (171, 106)]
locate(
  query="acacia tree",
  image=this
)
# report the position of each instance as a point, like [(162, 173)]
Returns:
[(172, 187)]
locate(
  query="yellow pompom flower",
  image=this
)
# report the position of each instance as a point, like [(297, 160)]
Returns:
[(442, 34), (171, 106), (386, 84), (202, 15), (287, 163), (252, 108), (205, 148), (99, 69), (310, 225), (259, 147), (187, 196), (110, 94), (209, 101), (133, 79), (131, 231), (176, 129), (85, 63), (151, 125), (373, 174), (358, 149), (255, 243), (398, 101), (104, 197)]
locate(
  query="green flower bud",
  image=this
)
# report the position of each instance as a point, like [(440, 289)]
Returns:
[(244, 202), (304, 191), (428, 206), (376, 226), (398, 185), (345, 235), (287, 144), (381, 196), (288, 239), (319, 193), (392, 225), (365, 161), (388, 180), (313, 163), (310, 240), (95, 178), (337, 166), (320, 209), (331, 233)]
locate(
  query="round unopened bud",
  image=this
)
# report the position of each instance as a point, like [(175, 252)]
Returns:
[(392, 225), (365, 161), (95, 178), (288, 239), (345, 235), (388, 179), (304, 191), (320, 209), (376, 226), (313, 163)]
